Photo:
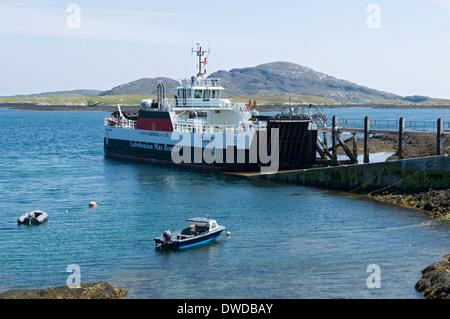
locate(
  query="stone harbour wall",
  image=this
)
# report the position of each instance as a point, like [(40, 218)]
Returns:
[(410, 174)]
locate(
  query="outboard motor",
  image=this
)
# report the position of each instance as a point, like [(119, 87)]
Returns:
[(167, 235)]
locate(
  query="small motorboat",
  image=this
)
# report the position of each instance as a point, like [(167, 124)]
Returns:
[(198, 231), (34, 217)]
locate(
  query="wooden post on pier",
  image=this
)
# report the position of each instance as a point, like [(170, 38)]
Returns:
[(325, 143), (401, 129), (334, 126), (440, 133), (355, 145), (366, 138)]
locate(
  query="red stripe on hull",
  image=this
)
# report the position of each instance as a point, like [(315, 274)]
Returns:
[(154, 124)]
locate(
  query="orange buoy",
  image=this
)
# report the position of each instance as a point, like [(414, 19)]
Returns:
[(92, 204)]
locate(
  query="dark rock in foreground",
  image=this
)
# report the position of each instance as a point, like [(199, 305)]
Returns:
[(100, 290), (435, 281)]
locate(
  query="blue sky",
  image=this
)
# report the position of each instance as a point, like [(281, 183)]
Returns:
[(118, 42)]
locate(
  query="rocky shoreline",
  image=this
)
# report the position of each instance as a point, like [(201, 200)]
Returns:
[(100, 290), (434, 202), (435, 281)]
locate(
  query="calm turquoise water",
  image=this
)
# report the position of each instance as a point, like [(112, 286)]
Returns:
[(287, 241)]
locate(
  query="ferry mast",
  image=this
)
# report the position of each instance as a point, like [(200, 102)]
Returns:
[(201, 63)]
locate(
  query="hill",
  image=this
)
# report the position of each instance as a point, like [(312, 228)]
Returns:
[(285, 78), (81, 92), (142, 86)]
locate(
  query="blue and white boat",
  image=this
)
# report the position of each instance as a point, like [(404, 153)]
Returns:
[(198, 231)]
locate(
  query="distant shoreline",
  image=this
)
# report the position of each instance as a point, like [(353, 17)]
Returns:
[(262, 107), (70, 107)]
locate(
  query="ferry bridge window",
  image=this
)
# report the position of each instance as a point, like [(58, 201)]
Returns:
[(189, 94), (206, 95), (215, 94), (198, 94)]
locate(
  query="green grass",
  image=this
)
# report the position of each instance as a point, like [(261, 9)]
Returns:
[(436, 101), (260, 99), (390, 102), (136, 99)]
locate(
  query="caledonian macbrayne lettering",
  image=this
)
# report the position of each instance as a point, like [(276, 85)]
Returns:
[(153, 146), (225, 308)]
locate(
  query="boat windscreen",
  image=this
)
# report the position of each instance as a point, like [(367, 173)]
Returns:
[(191, 223)]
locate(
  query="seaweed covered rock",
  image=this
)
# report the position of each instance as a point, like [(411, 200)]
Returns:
[(435, 281), (434, 202), (100, 290)]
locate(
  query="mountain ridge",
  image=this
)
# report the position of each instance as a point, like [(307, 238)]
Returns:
[(142, 86), (280, 78), (286, 78)]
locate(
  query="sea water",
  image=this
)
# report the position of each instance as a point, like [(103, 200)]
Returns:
[(287, 241)]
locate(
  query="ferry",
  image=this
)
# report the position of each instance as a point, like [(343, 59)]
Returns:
[(198, 128)]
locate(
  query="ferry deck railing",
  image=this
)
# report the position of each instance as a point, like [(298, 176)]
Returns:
[(201, 128), (126, 123), (195, 127)]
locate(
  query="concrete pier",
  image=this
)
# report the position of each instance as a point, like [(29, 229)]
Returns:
[(409, 174)]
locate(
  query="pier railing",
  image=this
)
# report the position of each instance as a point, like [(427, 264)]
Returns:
[(366, 127), (390, 125)]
